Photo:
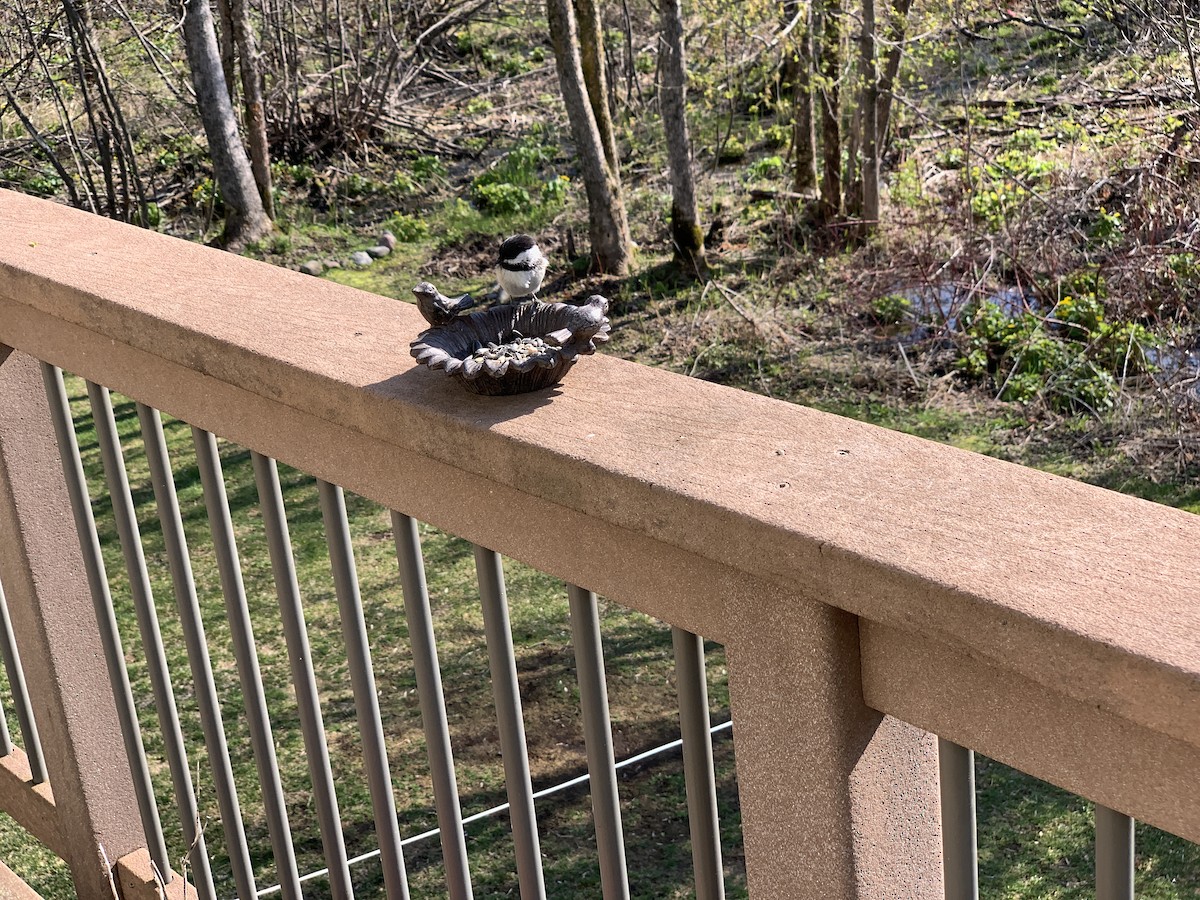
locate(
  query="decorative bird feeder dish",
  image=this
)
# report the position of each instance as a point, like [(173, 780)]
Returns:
[(509, 349)]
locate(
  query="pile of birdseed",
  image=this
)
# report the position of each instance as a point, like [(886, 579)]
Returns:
[(515, 350)]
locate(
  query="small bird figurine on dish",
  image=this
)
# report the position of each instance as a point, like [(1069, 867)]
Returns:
[(521, 267), (436, 307)]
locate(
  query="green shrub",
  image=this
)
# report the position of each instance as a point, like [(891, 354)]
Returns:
[(408, 229), (776, 136), (1004, 185), (401, 184), (1073, 358), (42, 184), (355, 185), (506, 187), (501, 198), (891, 309), (426, 167), (734, 150), (769, 168), (1107, 229), (554, 191)]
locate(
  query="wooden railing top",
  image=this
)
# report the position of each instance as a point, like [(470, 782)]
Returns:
[(1089, 592)]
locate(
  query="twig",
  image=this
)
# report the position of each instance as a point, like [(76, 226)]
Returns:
[(725, 292), (908, 365)]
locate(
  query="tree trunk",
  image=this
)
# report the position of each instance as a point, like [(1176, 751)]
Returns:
[(252, 94), (245, 218), (225, 41), (869, 108), (852, 126), (897, 26), (591, 58), (831, 111), (804, 132), (608, 226), (686, 235)]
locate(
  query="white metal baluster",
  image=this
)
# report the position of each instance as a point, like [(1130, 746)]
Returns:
[(513, 748)]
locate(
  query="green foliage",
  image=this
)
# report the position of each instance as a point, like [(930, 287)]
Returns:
[(1186, 268), (769, 168), (1031, 140), (507, 187), (277, 244), (952, 158), (355, 185), (1004, 186), (776, 136), (996, 205), (427, 167), (1072, 358), (42, 183), (408, 229), (402, 184), (733, 150), (178, 150), (501, 198), (554, 191), (206, 193), (891, 309), (907, 186), (1107, 229)]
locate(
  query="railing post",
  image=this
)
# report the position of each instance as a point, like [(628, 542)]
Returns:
[(838, 801), (41, 566)]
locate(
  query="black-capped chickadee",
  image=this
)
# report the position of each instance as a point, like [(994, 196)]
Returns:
[(521, 267)]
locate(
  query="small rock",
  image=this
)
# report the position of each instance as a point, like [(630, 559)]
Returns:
[(388, 240), (333, 263), (361, 258), (312, 267), (380, 250)]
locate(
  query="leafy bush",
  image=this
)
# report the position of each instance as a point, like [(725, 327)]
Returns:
[(890, 309), (501, 198), (769, 168), (505, 187), (1030, 140), (42, 184), (1005, 184), (401, 184), (355, 185), (1072, 358), (426, 167), (1107, 229), (776, 136), (206, 193), (734, 150), (554, 191), (408, 229)]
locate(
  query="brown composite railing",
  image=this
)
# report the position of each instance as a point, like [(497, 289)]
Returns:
[(871, 589)]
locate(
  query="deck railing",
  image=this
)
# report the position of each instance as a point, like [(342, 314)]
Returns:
[(871, 589)]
